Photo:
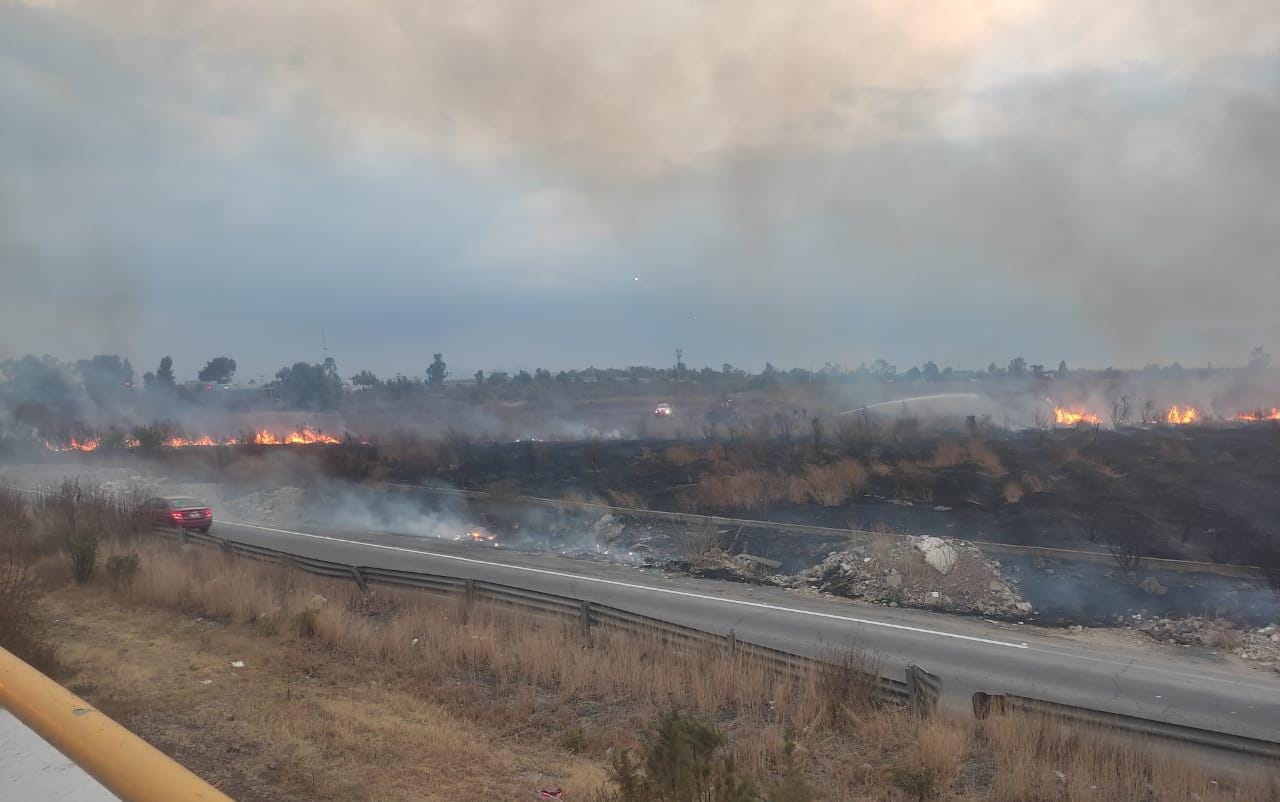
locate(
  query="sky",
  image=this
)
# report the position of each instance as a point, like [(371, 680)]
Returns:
[(559, 184)]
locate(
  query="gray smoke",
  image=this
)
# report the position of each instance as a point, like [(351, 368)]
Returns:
[(1120, 158)]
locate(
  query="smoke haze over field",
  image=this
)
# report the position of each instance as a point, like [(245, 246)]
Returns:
[(559, 184)]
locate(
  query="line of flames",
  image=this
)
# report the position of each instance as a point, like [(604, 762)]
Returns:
[(263, 437), (1176, 414), (1259, 414)]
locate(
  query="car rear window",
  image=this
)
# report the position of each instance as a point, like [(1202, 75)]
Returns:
[(185, 502)]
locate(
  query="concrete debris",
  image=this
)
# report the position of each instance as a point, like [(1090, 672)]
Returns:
[(937, 573), (1260, 645), (237, 664), (1152, 586), (607, 528), (937, 553), (764, 561)]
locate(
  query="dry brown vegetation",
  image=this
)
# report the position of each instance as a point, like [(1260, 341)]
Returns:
[(434, 695), (950, 454), (397, 695), (755, 489), (626, 499)]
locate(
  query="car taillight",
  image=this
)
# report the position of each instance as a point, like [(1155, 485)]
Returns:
[(177, 516), (206, 513)]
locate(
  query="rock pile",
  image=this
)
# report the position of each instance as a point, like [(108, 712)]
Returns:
[(1260, 645), (946, 574)]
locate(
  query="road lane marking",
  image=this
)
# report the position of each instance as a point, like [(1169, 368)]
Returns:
[(636, 586)]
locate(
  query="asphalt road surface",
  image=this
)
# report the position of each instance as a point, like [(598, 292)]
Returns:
[(969, 654)]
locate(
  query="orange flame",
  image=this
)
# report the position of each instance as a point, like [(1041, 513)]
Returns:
[(183, 442), (88, 444), (304, 436), (1074, 417), (1182, 415), (1260, 414)]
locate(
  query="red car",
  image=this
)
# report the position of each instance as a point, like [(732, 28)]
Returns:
[(182, 512)]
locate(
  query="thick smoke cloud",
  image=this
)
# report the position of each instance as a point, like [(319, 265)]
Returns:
[(1113, 166)]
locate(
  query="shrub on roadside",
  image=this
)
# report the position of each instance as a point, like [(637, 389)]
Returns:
[(684, 759), (121, 570), (82, 550)]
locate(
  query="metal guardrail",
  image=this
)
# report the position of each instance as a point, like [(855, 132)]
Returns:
[(123, 763), (986, 705), (919, 691), (587, 615)]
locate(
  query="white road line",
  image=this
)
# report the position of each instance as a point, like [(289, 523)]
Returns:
[(634, 586)]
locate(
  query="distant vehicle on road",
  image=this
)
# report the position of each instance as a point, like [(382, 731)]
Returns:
[(182, 512), (662, 411)]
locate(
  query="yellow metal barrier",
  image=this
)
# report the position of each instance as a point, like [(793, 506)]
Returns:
[(126, 765)]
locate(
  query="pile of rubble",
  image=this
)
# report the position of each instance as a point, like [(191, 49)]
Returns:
[(949, 574), (1259, 645)]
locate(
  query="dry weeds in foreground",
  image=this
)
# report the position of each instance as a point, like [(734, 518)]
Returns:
[(498, 672)]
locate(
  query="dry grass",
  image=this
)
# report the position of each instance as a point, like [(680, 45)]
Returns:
[(398, 696), (950, 454), (300, 723), (1011, 491), (623, 498), (753, 489), (680, 456)]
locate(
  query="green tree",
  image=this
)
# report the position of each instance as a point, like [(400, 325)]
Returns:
[(930, 371), (523, 377), (438, 371), (1017, 366), (107, 378), (218, 370), (479, 378), (365, 378), (41, 393), (164, 374), (307, 386)]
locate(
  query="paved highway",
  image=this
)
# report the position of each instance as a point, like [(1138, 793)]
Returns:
[(968, 654)]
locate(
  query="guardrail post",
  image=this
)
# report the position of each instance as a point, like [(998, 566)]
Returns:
[(182, 534), (468, 597), (584, 619), (359, 577), (732, 640), (923, 690)]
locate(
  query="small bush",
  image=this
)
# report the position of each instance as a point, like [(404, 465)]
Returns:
[(21, 630), (917, 782), (82, 549), (683, 759), (121, 570), (574, 740), (304, 623)]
